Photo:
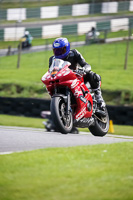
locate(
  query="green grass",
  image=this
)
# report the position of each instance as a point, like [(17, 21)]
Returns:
[(37, 3), (106, 60), (86, 172), (10, 120)]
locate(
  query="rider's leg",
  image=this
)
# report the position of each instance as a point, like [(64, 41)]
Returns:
[(95, 80), (99, 98)]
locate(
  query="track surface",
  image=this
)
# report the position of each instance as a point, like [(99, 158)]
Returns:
[(70, 21), (17, 139)]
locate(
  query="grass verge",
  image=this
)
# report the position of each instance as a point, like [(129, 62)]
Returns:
[(9, 120), (85, 172), (106, 60), (36, 3)]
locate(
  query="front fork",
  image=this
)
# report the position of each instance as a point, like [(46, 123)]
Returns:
[(66, 99), (68, 108)]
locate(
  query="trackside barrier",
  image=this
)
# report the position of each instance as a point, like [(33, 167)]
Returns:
[(31, 107), (47, 12)]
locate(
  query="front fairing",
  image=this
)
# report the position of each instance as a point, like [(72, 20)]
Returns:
[(58, 74), (55, 69)]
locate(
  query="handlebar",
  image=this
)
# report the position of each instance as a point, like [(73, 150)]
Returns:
[(79, 71)]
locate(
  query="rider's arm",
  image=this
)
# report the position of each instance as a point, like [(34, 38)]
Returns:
[(81, 61), (50, 60), (87, 68)]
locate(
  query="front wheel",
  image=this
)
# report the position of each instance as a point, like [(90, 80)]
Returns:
[(101, 125), (62, 121)]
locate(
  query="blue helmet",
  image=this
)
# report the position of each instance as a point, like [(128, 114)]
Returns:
[(61, 48)]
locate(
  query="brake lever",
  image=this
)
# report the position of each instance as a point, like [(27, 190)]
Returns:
[(79, 72)]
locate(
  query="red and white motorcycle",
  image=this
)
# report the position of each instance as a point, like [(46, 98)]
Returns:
[(72, 103)]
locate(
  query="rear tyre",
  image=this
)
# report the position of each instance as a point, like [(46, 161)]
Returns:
[(63, 122), (101, 126)]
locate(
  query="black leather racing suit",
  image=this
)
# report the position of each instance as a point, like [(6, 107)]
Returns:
[(75, 58)]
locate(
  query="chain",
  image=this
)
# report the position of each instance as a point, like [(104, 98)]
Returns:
[(104, 120)]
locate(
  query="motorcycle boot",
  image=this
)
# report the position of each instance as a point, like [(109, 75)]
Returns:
[(98, 96)]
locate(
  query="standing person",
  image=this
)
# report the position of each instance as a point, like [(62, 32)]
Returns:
[(61, 50), (93, 30)]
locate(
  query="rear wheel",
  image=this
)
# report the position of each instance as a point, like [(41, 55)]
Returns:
[(101, 126), (61, 120)]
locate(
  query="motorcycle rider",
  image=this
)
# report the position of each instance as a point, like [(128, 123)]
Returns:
[(61, 50), (29, 38)]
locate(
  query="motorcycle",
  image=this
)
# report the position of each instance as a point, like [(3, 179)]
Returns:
[(24, 43), (73, 104)]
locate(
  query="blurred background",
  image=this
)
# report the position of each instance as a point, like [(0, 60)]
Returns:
[(49, 19), (101, 30)]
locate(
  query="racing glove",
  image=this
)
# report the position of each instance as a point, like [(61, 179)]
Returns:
[(87, 68)]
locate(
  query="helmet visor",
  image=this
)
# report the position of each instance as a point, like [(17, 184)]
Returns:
[(59, 51)]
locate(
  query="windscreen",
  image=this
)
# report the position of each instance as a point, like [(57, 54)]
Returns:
[(58, 64)]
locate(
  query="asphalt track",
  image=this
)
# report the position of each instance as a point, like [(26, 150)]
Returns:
[(14, 51), (18, 139), (69, 21)]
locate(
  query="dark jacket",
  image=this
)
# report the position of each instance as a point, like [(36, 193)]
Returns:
[(74, 57)]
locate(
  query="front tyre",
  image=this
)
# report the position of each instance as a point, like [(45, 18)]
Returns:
[(101, 126), (61, 120)]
